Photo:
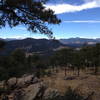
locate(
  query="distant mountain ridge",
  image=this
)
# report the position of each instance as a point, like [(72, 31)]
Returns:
[(30, 45), (43, 46), (78, 42)]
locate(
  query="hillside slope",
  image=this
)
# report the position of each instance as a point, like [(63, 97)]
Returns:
[(30, 45)]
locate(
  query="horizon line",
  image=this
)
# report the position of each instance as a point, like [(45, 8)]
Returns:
[(55, 38)]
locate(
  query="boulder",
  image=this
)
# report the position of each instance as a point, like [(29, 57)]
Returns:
[(69, 78), (51, 94), (34, 92), (29, 79), (12, 82), (35, 80), (21, 82)]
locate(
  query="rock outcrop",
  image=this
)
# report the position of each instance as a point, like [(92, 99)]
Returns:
[(12, 82), (22, 82), (51, 94), (34, 92)]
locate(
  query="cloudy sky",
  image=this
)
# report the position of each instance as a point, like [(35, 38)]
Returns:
[(80, 18)]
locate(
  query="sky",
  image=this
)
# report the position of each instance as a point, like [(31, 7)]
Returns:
[(80, 18)]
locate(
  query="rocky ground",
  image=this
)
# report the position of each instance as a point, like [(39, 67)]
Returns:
[(31, 88)]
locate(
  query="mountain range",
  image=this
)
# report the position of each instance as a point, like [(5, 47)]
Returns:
[(30, 45), (78, 42), (44, 46)]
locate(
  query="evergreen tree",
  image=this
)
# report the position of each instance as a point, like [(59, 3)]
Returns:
[(2, 44), (31, 13)]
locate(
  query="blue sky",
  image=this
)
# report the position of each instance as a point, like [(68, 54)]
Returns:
[(80, 18)]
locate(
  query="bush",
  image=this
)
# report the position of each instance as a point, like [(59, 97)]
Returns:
[(69, 95), (72, 95), (4, 91), (48, 73)]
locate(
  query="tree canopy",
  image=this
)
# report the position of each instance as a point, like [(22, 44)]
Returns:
[(31, 13)]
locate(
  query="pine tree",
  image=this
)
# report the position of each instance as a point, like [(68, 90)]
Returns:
[(31, 13)]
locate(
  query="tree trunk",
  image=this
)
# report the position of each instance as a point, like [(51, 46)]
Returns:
[(78, 71), (96, 70), (53, 68), (65, 71), (73, 71)]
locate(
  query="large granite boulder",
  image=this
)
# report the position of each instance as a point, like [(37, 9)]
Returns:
[(12, 82), (26, 80), (34, 92), (21, 82), (29, 79)]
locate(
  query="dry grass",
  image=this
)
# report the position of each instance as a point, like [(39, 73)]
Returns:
[(85, 82)]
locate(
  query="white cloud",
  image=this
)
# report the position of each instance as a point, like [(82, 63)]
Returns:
[(82, 21), (66, 8)]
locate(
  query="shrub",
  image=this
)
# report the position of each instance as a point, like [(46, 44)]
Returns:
[(72, 95)]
